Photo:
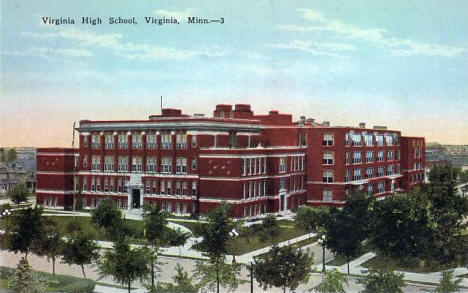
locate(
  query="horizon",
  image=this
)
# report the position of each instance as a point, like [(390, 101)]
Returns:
[(400, 64)]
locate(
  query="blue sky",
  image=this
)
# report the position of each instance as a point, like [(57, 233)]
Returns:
[(400, 63)]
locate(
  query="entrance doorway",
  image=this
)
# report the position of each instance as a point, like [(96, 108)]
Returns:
[(282, 202), (136, 198)]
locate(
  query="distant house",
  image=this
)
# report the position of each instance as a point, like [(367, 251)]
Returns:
[(19, 171)]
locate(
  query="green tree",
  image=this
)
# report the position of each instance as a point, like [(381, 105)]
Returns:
[(312, 219), (80, 249), (50, 244), (182, 283), (18, 194), (216, 272), (269, 229), (178, 238), (23, 279), (107, 215), (383, 281), (26, 227), (285, 267), (333, 282), (448, 283), (215, 234), (3, 156), (124, 264), (11, 155)]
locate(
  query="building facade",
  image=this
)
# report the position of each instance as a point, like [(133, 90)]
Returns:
[(256, 163)]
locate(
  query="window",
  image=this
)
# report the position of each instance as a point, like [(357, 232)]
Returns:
[(381, 187), (166, 165), (85, 161), (194, 141), (193, 164), (151, 164), (232, 139), (368, 140), (282, 183), (123, 141), (85, 141), (369, 173), (282, 164), (244, 167), (356, 139), (380, 171), (327, 176), (398, 169), (244, 187), (163, 187), (136, 141), (169, 187), (111, 185), (93, 184), (390, 156), (136, 164), (109, 139), (348, 155), (98, 184), (181, 165), (390, 170), (264, 165), (106, 184), (119, 185), (181, 141), (194, 188), (328, 158), (108, 163), (347, 175), (151, 141), (302, 139), (155, 182), (123, 164), (327, 139), (357, 159), (166, 141), (370, 189), (327, 195), (184, 188), (95, 141), (264, 187), (389, 140), (95, 163), (397, 155), (369, 156), (379, 139), (380, 156), (357, 175), (147, 186), (85, 187), (178, 188)]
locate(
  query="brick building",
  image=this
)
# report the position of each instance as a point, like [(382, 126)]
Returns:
[(256, 163)]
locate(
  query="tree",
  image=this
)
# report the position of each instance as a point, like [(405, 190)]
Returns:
[(23, 279), (312, 219), (285, 267), (216, 272), (215, 234), (269, 229), (448, 283), (183, 283), (333, 282), (123, 263), (11, 155), (80, 249), (3, 157), (18, 194), (343, 235), (178, 238), (51, 244), (107, 215), (383, 281), (27, 226)]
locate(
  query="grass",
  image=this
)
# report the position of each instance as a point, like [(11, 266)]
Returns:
[(409, 265), (195, 227), (57, 283), (340, 260)]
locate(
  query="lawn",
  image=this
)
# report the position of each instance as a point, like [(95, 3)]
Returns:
[(411, 265), (195, 227), (57, 283)]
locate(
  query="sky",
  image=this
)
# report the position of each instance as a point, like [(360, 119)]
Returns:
[(402, 64)]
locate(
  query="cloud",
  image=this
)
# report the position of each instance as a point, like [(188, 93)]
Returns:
[(377, 36), (128, 50), (175, 14), (314, 48), (50, 54)]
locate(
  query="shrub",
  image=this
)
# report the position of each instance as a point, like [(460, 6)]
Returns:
[(81, 286)]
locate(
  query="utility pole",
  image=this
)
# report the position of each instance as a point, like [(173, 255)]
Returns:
[(161, 105), (251, 277), (74, 166)]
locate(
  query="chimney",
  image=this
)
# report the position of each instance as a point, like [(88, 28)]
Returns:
[(380, 127), (326, 123), (302, 121), (362, 125)]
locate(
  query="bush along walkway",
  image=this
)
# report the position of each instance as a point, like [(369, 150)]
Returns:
[(355, 268)]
